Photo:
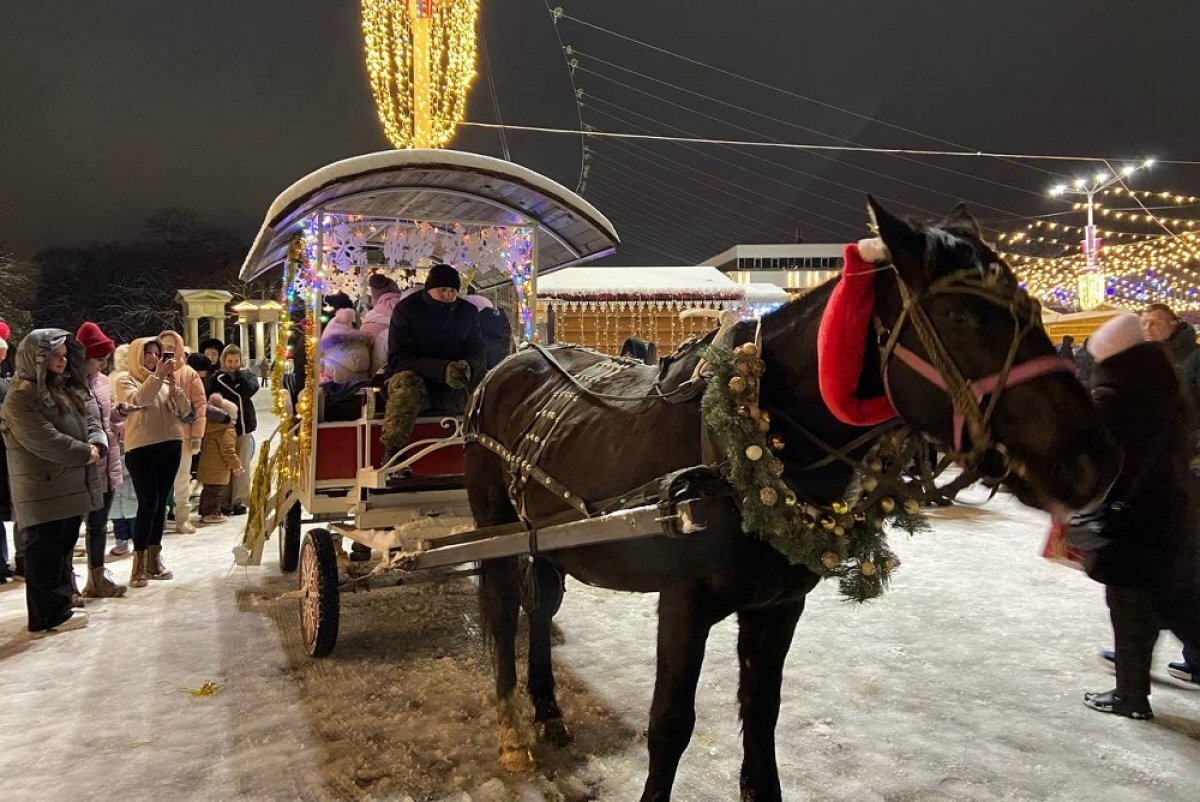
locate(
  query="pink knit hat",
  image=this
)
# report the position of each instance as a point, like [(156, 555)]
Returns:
[(1116, 335)]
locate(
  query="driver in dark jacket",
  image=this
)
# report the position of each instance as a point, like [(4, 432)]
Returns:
[(435, 355)]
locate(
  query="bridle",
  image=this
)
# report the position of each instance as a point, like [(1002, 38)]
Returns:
[(971, 416)]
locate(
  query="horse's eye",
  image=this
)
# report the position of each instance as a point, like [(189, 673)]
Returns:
[(955, 317)]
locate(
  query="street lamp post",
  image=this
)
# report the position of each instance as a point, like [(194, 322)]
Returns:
[(1092, 282)]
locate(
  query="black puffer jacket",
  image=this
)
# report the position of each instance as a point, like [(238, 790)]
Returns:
[(1149, 539), (5, 496), (1185, 355), (497, 336), (239, 388), (426, 335)]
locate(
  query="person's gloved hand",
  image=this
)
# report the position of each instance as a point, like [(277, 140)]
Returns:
[(458, 375), (195, 446)]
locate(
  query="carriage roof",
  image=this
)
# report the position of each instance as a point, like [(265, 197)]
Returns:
[(438, 186)]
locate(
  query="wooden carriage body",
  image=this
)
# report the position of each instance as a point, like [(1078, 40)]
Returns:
[(396, 213)]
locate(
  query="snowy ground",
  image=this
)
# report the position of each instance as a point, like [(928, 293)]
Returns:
[(963, 683)]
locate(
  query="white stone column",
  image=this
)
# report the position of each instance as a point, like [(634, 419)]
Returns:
[(260, 346), (244, 336), (217, 326), (191, 327)]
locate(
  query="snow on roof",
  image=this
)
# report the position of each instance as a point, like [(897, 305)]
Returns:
[(639, 283), (758, 293)]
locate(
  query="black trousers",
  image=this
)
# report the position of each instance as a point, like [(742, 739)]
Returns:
[(48, 551), (153, 470), (1137, 617), (97, 532)]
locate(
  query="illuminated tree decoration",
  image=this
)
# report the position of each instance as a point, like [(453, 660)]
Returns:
[(421, 63)]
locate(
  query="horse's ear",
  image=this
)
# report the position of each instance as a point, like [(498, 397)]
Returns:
[(905, 244), (962, 219)]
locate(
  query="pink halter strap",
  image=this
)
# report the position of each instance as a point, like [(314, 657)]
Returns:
[(1018, 374)]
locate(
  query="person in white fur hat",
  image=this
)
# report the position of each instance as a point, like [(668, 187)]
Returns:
[(1142, 543), (345, 351)]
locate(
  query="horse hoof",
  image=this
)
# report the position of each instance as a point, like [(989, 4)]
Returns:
[(517, 760), (555, 732)]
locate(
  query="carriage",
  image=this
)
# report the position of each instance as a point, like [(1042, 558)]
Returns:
[(323, 468)]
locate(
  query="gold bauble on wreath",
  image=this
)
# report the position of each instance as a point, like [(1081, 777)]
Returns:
[(768, 496), (868, 569), (887, 504), (754, 453), (830, 560), (911, 506), (737, 385)]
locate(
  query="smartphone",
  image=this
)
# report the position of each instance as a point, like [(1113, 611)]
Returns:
[(169, 356)]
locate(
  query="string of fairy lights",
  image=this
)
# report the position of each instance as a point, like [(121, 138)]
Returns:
[(1150, 252), (420, 57)]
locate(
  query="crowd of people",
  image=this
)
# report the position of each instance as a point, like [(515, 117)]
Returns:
[(93, 433)]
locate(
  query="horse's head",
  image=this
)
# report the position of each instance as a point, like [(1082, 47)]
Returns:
[(965, 359)]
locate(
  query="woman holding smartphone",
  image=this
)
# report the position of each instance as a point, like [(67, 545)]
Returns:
[(153, 406)]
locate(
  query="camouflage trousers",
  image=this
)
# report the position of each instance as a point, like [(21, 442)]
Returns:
[(408, 395)]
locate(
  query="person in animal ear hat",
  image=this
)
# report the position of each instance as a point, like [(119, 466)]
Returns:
[(435, 355), (1142, 543)]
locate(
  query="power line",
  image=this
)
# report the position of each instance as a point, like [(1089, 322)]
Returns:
[(976, 154), (774, 164), (799, 127), (557, 14), (692, 200)]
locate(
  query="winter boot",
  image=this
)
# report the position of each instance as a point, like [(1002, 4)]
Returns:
[(78, 620), (1112, 702), (76, 597), (1184, 671), (407, 396), (99, 586), (122, 549), (137, 575), (154, 565)]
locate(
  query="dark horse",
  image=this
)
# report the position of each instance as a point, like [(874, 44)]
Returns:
[(1042, 433)]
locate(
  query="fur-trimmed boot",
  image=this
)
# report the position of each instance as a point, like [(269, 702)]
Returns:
[(99, 586), (137, 574), (154, 564)]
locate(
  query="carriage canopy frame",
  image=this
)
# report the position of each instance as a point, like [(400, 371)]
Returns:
[(440, 187)]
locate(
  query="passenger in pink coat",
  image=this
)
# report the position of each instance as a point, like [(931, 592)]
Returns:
[(98, 347), (385, 294)]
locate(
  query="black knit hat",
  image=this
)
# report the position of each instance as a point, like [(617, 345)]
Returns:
[(338, 300), (211, 342), (443, 276)]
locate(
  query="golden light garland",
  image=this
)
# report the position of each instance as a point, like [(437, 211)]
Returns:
[(420, 57), (1158, 263)]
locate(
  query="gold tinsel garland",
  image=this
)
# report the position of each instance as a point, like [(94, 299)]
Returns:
[(844, 539)]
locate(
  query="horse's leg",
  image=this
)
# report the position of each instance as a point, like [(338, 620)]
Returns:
[(500, 602), (540, 611), (764, 637), (684, 621)]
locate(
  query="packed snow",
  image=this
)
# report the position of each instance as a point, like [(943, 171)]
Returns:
[(963, 683)]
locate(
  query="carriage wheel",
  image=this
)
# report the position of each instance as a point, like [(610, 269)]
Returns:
[(319, 607), (289, 540)]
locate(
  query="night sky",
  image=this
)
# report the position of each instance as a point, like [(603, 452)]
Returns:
[(114, 109)]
